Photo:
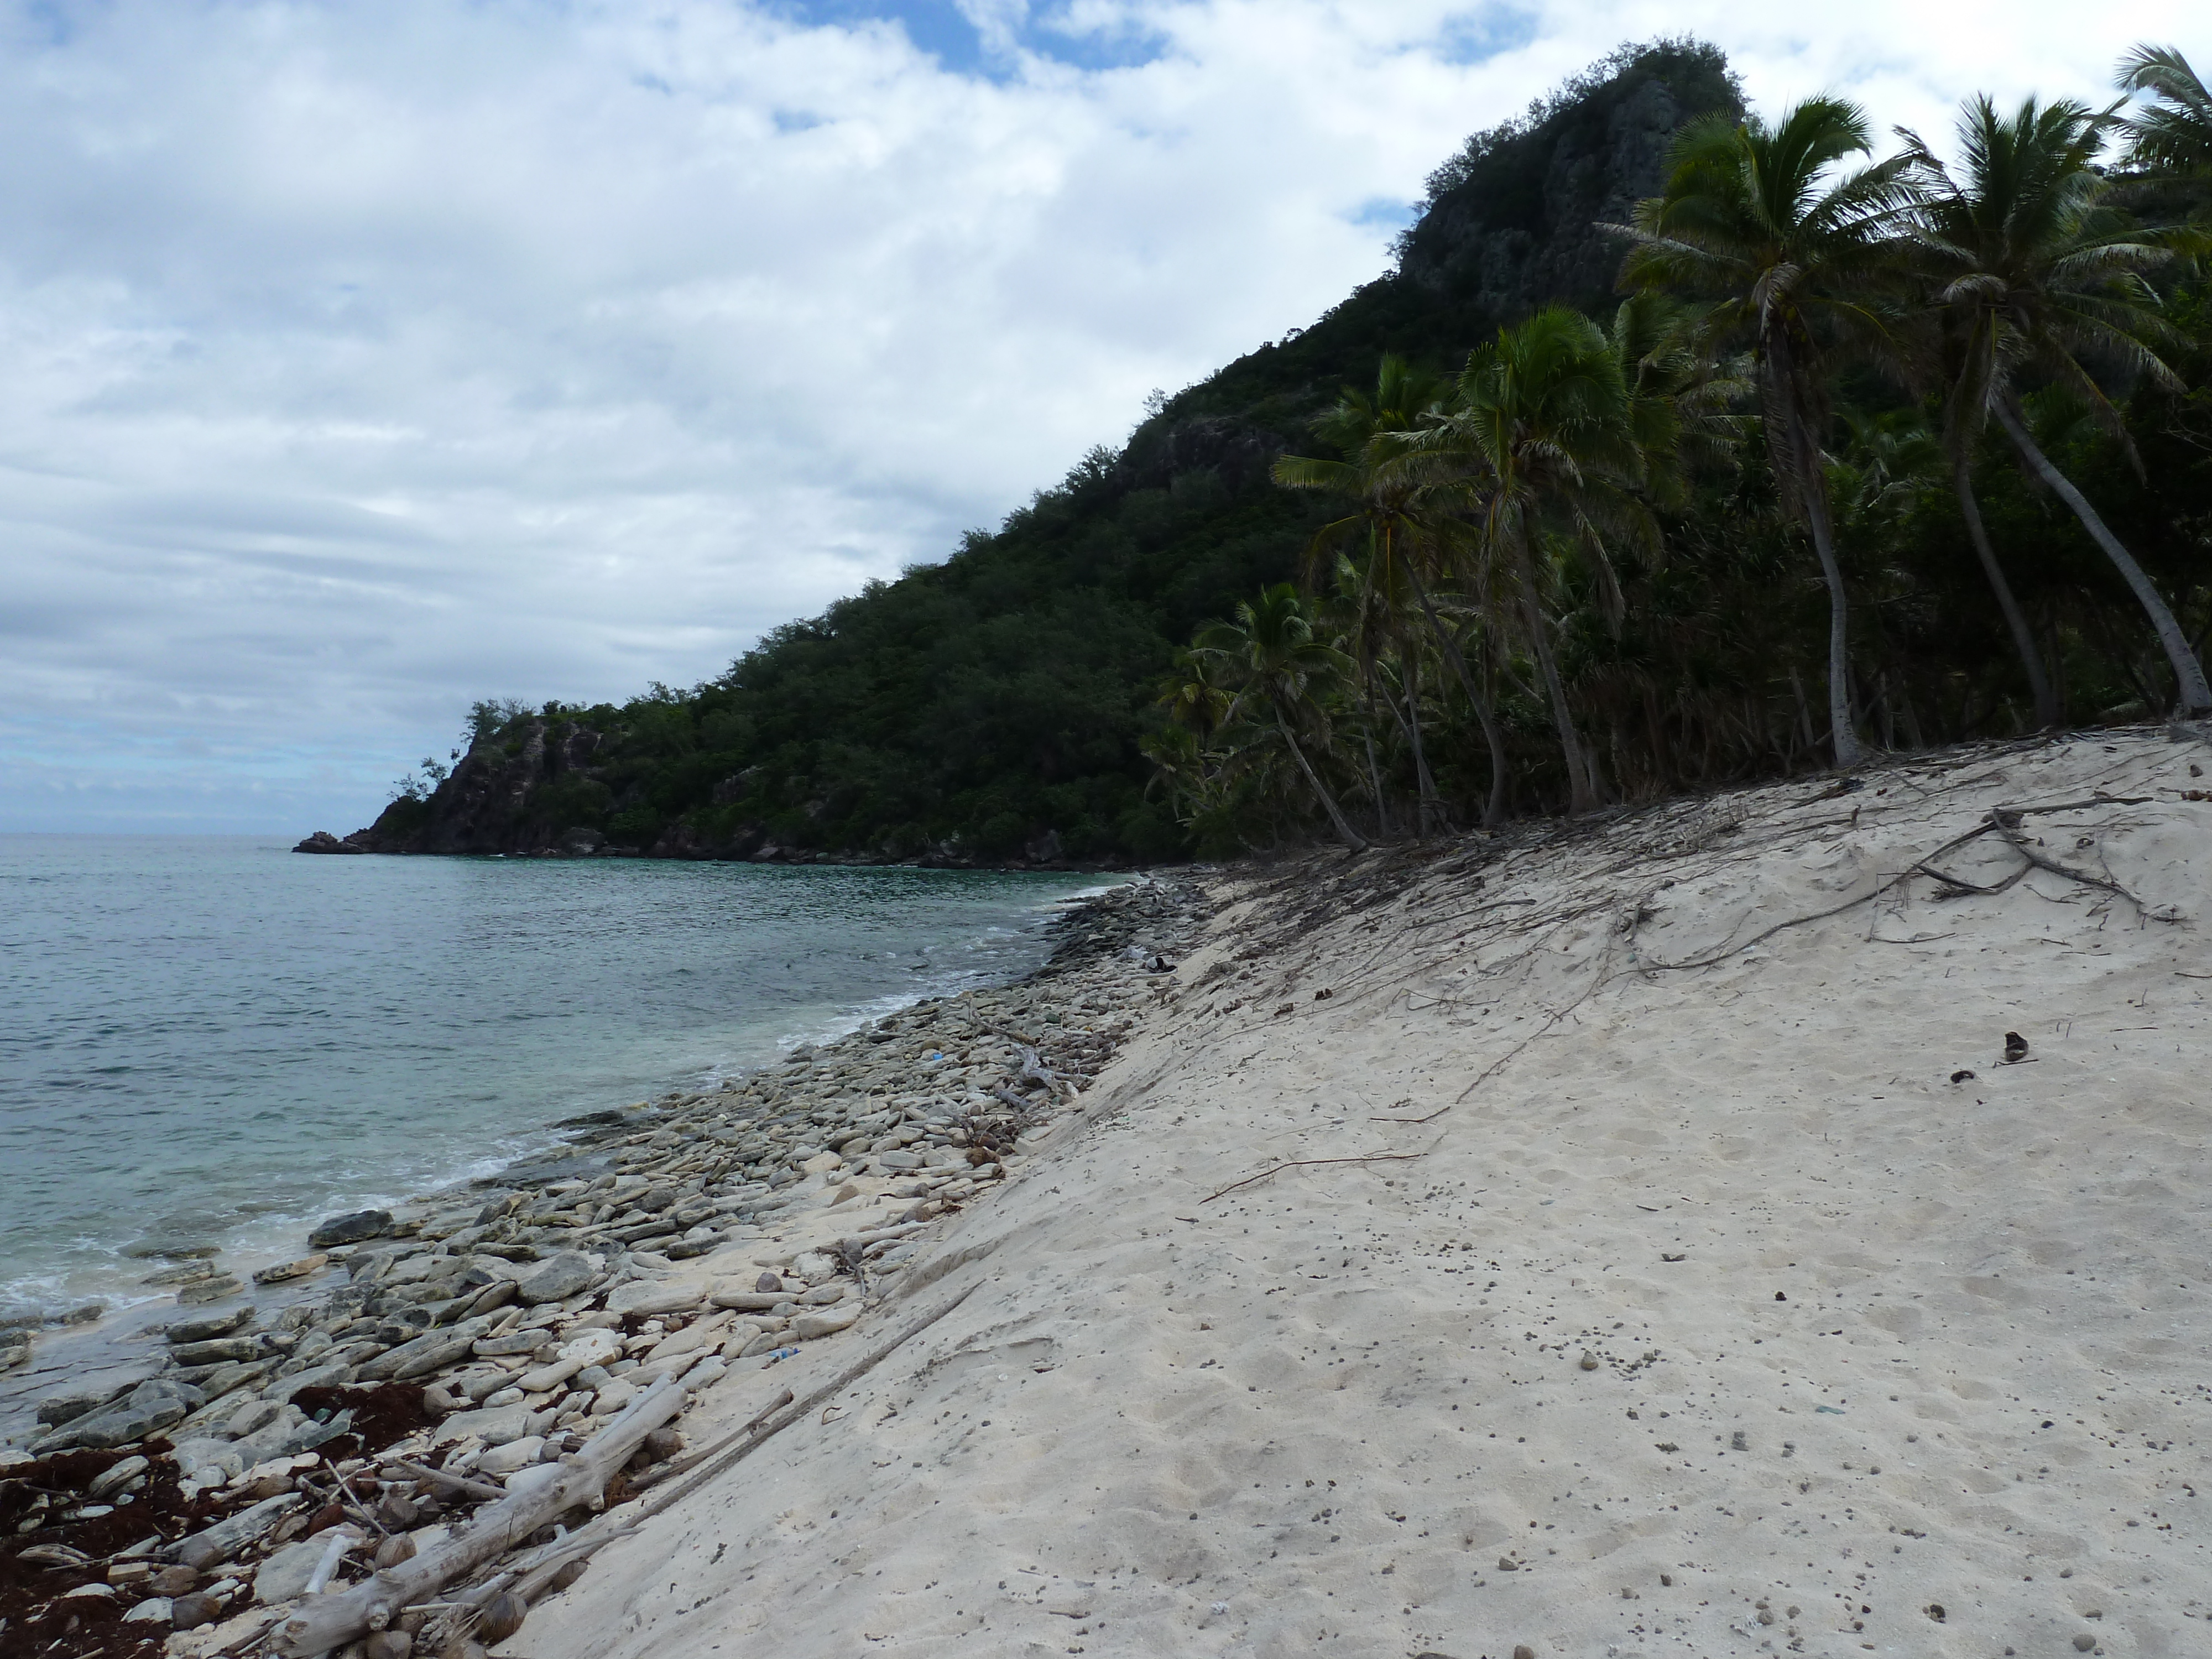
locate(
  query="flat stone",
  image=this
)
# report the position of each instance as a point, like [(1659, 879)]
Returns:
[(154, 1610), (639, 1297), (612, 1398), (350, 1229), (557, 1279), (183, 1273), (253, 1416), (284, 1271), (208, 1327), (207, 1455), (515, 1342), (315, 1376), (900, 1160), (221, 1288), (828, 1323), (115, 1477), (268, 1438), (514, 1454), (57, 1409), (425, 1353), (151, 1407), (494, 1426), (222, 1350)]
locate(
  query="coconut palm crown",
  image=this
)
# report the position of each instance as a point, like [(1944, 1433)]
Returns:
[(1797, 256), (2033, 272)]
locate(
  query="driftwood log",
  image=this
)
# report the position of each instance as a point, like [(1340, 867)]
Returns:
[(329, 1621)]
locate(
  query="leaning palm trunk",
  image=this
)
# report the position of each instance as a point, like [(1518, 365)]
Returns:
[(1494, 809), (1350, 836), (2030, 660), (1582, 793), (1802, 446), (1375, 775), (1431, 809), (2188, 673)]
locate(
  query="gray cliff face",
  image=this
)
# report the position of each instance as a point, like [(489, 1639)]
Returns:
[(1523, 230), (505, 798)]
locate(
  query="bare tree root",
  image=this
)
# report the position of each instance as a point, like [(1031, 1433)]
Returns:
[(2003, 822)]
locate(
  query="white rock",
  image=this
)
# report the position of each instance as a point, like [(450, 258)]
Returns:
[(523, 1482), (612, 1398), (594, 1347), (707, 1373), (514, 1454), (154, 1609), (645, 1297), (826, 1324), (681, 1342)]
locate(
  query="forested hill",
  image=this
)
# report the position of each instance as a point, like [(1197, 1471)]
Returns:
[(989, 707)]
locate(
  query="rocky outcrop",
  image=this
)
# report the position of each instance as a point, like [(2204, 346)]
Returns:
[(1519, 226), (324, 841)]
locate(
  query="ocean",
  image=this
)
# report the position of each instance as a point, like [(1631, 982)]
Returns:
[(209, 1040)]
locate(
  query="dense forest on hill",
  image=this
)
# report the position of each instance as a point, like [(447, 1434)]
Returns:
[(1031, 696)]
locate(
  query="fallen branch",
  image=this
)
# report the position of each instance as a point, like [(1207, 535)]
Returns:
[(425, 1471), (752, 1437), (1307, 1162), (331, 1621), (2006, 823)]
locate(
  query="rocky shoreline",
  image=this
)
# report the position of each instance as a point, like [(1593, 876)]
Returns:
[(508, 1337)]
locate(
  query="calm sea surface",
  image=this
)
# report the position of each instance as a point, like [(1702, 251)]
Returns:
[(210, 1039)]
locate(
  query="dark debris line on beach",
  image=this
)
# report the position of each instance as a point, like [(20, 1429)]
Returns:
[(448, 1351)]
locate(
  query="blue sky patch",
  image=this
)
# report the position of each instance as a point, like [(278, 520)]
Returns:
[(1485, 32), (943, 29)]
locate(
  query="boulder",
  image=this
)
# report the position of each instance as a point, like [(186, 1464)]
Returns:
[(643, 1297), (208, 1326), (827, 1323), (222, 1350), (350, 1229), (153, 1406), (557, 1279), (283, 1271)]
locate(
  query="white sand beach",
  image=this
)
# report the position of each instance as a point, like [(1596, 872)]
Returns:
[(1755, 1307)]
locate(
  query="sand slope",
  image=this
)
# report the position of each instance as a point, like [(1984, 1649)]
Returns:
[(1876, 1362)]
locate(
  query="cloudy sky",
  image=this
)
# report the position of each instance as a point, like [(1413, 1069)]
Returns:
[(361, 360)]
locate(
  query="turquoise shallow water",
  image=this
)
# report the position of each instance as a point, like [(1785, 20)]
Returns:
[(210, 1038)]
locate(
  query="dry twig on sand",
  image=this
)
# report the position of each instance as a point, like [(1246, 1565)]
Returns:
[(1306, 1162)]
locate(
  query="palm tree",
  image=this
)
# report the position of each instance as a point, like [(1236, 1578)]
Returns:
[(1272, 650), (1755, 218), (1540, 440), (1394, 518), (2174, 135), (1680, 395), (2036, 270)]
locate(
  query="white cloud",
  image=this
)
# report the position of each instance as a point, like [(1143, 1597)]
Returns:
[(363, 359)]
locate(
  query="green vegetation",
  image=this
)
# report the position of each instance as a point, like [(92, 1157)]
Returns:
[(1602, 534), (1927, 449)]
